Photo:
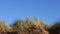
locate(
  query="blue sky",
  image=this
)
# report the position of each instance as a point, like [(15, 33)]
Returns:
[(46, 10)]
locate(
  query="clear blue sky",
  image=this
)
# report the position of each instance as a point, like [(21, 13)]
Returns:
[(47, 10)]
